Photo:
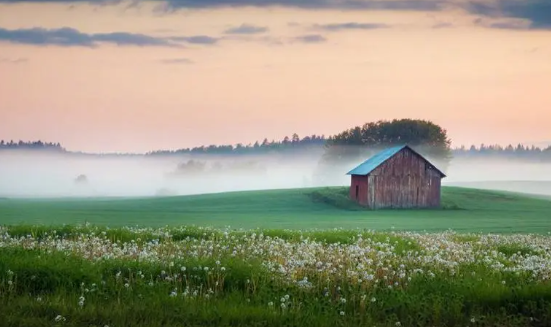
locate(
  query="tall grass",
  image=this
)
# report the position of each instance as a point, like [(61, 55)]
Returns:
[(207, 277)]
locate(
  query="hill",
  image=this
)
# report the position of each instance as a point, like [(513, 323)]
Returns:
[(466, 210), (531, 187)]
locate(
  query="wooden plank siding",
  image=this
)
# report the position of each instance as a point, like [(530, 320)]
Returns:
[(359, 182), (406, 180)]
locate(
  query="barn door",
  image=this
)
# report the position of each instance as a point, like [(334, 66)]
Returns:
[(357, 191)]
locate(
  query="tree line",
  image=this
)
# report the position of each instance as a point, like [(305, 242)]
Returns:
[(293, 143), (32, 145), (353, 142)]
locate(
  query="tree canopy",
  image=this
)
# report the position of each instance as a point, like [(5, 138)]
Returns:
[(360, 142)]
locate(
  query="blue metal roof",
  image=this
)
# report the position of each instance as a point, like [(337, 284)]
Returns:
[(370, 164)]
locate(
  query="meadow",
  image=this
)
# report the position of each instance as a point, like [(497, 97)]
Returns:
[(465, 210), (82, 262), (183, 276)]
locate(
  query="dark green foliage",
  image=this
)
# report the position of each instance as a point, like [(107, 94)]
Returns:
[(361, 142), (336, 197)]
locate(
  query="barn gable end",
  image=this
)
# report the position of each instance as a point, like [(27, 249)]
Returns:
[(398, 177)]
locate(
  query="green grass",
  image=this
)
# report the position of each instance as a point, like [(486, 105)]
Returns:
[(464, 210), (37, 285)]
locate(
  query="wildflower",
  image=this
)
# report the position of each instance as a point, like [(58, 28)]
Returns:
[(270, 304), (473, 320), (183, 268), (343, 300), (342, 313), (59, 318), (373, 300)]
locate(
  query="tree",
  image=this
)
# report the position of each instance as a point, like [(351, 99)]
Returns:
[(360, 142)]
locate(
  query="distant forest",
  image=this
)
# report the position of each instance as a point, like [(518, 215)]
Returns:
[(296, 144)]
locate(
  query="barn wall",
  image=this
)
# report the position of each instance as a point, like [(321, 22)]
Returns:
[(404, 181), (361, 182)]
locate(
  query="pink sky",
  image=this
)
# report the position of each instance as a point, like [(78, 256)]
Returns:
[(485, 78)]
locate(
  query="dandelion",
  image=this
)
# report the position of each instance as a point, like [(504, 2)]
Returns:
[(270, 304), (59, 318), (473, 320), (183, 268), (373, 300), (342, 313)]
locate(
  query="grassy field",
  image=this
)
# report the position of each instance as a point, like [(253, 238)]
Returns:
[(465, 210), (182, 276), (284, 268)]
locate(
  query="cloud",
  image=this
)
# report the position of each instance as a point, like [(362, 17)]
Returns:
[(197, 39), (68, 37), (171, 5), (442, 25), (310, 38), (350, 26), (177, 61), (246, 29), (536, 12), (13, 61)]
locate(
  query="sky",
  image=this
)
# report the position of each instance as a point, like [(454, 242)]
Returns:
[(116, 76)]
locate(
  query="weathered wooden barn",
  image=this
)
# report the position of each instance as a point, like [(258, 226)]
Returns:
[(397, 177)]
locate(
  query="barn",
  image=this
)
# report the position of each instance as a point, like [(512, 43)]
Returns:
[(397, 177)]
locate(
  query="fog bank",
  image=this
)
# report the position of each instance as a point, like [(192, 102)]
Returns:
[(30, 175)]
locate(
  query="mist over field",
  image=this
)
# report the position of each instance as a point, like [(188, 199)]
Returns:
[(27, 174)]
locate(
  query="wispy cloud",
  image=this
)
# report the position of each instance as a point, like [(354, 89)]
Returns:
[(68, 37), (310, 38), (442, 25), (246, 29), (14, 61), (169, 5), (504, 23), (537, 13), (349, 26), (197, 39), (177, 61)]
